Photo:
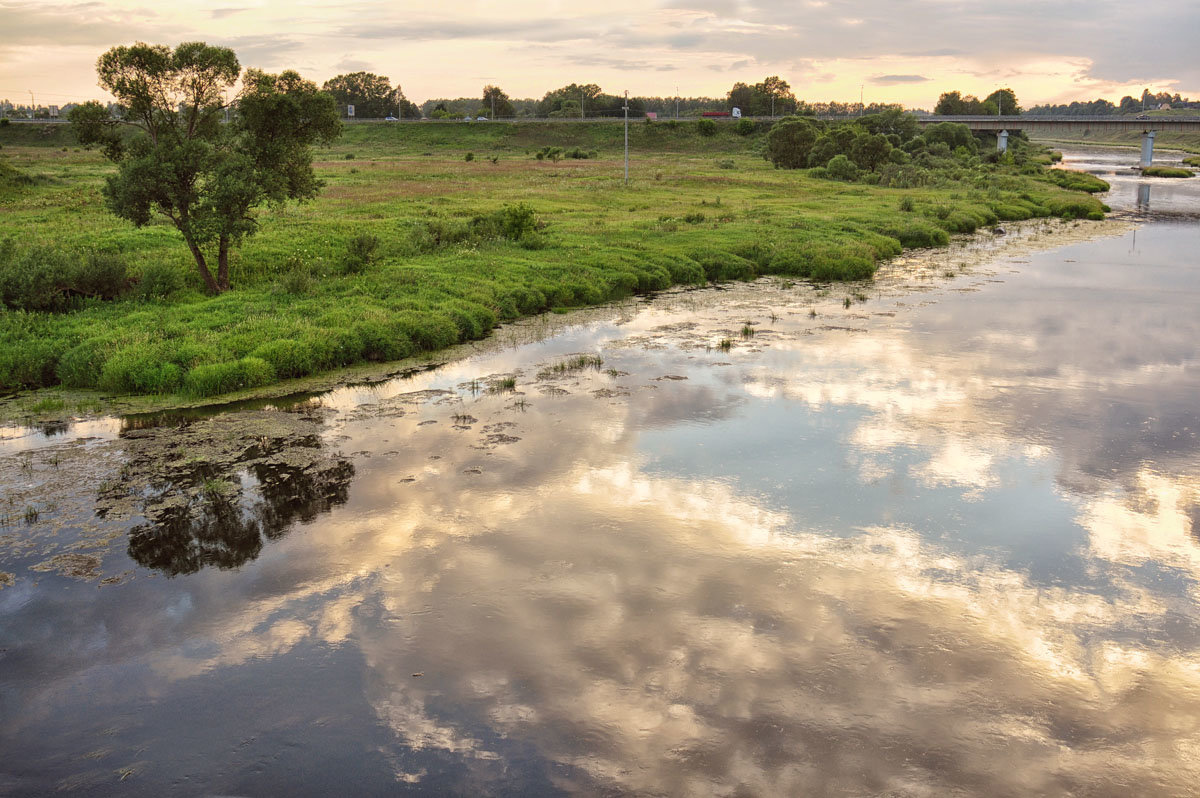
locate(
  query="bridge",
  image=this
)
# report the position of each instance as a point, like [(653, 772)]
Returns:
[(1148, 125)]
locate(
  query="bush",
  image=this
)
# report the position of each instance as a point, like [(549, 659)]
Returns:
[(842, 168), (102, 275), (744, 127), (727, 163), (237, 375), (470, 156), (706, 127), (159, 281), (46, 279), (297, 278), (789, 143), (360, 253), (906, 204)]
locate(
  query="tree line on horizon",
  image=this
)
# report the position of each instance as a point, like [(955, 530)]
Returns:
[(373, 97)]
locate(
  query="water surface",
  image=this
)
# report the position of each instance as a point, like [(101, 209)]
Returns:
[(941, 541)]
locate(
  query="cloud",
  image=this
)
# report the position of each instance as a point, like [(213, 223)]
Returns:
[(892, 80)]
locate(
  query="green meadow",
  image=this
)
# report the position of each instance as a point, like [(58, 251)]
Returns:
[(430, 234)]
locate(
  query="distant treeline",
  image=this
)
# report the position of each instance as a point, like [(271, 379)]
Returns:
[(1128, 105)]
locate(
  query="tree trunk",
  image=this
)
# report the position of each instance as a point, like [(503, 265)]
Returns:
[(202, 265), (223, 263)]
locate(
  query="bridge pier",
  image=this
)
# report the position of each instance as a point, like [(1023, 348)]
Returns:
[(1002, 142), (1147, 148)]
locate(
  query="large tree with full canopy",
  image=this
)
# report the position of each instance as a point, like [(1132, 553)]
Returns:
[(177, 158)]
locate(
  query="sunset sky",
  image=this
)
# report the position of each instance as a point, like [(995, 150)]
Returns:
[(905, 51)]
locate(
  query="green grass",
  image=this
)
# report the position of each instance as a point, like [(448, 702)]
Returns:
[(1166, 171), (1192, 160), (410, 248)]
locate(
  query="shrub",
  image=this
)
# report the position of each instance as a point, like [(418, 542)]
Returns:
[(727, 163), (470, 156), (706, 127), (789, 143), (842, 168), (159, 281), (906, 204), (297, 278), (101, 274), (46, 279), (360, 253), (237, 375), (744, 127)]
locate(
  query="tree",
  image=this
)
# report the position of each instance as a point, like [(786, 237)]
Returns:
[(554, 101), (371, 95), (1002, 101), (778, 94), (789, 143), (869, 150), (182, 162), (773, 96), (496, 103)]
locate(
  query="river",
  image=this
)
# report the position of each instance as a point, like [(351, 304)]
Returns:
[(935, 536)]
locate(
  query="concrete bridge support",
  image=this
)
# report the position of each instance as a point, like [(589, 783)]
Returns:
[(1147, 148), (1002, 142)]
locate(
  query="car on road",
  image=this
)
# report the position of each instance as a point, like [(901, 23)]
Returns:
[(390, 119), (481, 119)]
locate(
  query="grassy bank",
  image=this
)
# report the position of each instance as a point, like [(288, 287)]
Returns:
[(1189, 142), (414, 246)]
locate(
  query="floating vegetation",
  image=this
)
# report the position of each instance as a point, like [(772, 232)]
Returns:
[(725, 344), (575, 363), (747, 331), (503, 385)]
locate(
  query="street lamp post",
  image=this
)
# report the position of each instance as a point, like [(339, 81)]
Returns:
[(626, 137), (33, 105)]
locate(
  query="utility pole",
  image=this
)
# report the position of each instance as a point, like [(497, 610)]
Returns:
[(676, 102), (862, 109), (627, 137), (33, 105), (493, 106), (582, 97)]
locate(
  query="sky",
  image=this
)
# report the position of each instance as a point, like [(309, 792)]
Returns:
[(905, 51)]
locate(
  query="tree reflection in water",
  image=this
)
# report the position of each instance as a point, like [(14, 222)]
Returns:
[(211, 490), (226, 532)]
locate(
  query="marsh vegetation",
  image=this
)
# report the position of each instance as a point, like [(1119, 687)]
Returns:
[(409, 248)]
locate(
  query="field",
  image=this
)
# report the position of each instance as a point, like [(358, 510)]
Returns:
[(427, 235)]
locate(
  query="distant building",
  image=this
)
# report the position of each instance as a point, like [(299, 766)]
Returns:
[(651, 115)]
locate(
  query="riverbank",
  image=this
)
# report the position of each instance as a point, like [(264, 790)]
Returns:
[(54, 408), (406, 252)]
